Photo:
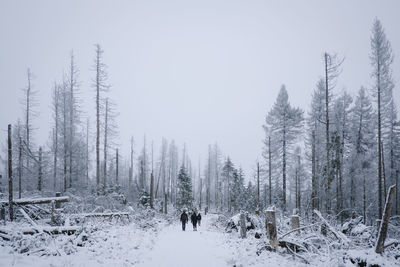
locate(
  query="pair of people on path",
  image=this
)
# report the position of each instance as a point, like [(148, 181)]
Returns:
[(194, 218)]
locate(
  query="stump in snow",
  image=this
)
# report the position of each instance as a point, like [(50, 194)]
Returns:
[(270, 224), (295, 222), (243, 225), (385, 221)]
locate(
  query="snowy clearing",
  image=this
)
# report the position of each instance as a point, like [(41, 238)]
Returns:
[(161, 244)]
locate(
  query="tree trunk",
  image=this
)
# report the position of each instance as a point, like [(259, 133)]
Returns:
[(328, 170), (71, 117), (258, 185), (385, 221), (314, 186), (298, 186), (87, 152), (209, 181), (379, 144), (116, 167), (284, 171), (152, 190), (28, 111), (383, 171), (19, 166), (201, 187), (269, 170), (65, 138), (10, 177), (98, 119), (105, 146), (397, 191), (55, 135), (165, 203), (131, 167), (40, 176), (364, 201)]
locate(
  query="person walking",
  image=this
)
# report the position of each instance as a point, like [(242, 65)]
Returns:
[(184, 220), (199, 218), (193, 218)]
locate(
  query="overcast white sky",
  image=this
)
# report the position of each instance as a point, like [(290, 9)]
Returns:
[(195, 71)]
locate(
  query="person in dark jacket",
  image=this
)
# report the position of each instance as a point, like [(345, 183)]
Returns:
[(199, 218), (184, 220), (193, 218)]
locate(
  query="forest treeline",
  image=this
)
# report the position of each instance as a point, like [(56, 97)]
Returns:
[(339, 157)]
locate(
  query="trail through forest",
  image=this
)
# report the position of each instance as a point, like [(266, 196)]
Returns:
[(174, 247)]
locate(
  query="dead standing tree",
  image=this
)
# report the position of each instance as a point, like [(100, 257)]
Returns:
[(73, 85), (100, 85), (381, 59), (332, 65), (380, 243), (10, 177)]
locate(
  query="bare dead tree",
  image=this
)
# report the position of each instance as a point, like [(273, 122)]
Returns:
[(10, 175), (73, 87), (381, 59), (332, 71), (56, 103), (64, 134), (40, 172), (100, 85)]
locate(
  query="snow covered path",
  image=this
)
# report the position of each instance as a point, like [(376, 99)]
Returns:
[(175, 247)]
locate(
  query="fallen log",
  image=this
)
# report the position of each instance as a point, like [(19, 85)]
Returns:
[(391, 244), (35, 201), (107, 214), (293, 245), (28, 218), (298, 229), (5, 237), (340, 236), (293, 250), (53, 230)]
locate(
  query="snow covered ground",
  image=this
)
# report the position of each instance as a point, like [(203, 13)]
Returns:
[(130, 245), (159, 242)]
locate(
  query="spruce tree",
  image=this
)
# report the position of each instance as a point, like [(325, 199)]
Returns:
[(237, 197), (285, 123), (381, 59), (185, 195)]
